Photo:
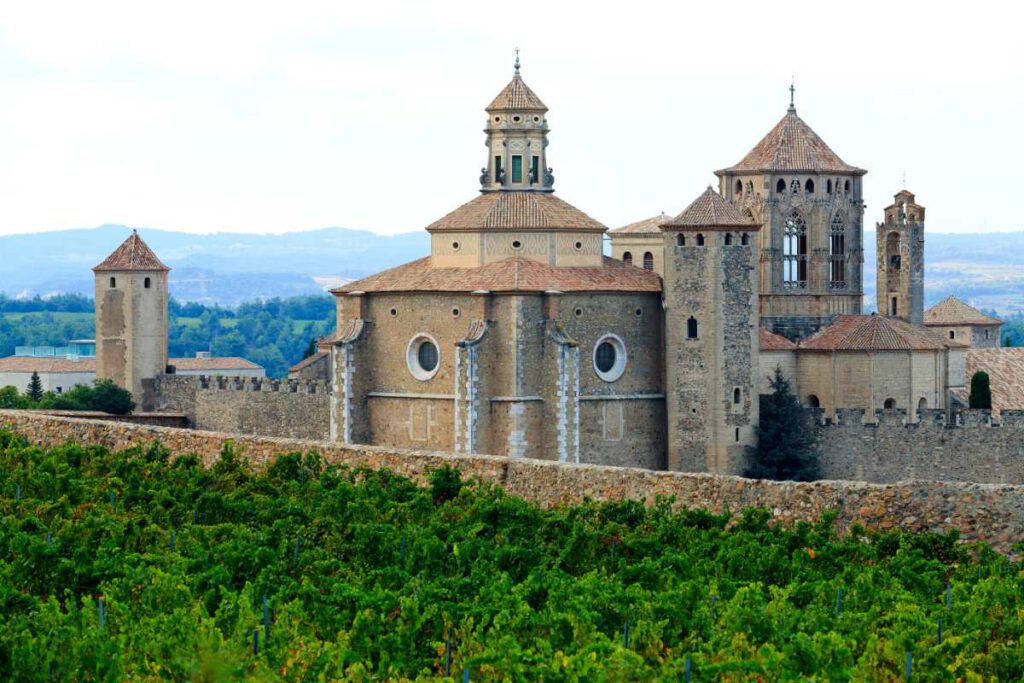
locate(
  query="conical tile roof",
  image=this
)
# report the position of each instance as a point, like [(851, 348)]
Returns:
[(875, 333), (792, 146), (710, 210), (517, 95), (952, 311), (133, 254)]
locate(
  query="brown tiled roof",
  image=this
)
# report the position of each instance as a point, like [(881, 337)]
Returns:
[(952, 311), (511, 210), (792, 146), (44, 365), (517, 95), (648, 226), (309, 360), (710, 210), (224, 363), (875, 333), (515, 274), (774, 342), (133, 254), (1005, 368)]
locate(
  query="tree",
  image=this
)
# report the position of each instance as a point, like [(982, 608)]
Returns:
[(311, 348), (981, 392), (35, 387), (11, 399), (785, 449), (110, 398)]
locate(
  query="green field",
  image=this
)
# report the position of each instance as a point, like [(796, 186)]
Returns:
[(367, 576), (229, 323), (59, 316)]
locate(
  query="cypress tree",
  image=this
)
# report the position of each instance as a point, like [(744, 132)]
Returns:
[(35, 387), (785, 449), (981, 392)]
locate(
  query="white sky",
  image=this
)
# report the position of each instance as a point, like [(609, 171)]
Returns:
[(207, 116)]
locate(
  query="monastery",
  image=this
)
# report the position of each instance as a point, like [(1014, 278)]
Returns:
[(516, 335)]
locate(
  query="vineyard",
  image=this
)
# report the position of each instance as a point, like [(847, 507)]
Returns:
[(142, 566)]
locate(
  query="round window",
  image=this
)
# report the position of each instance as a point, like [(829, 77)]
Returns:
[(455, 246), (393, 312), (609, 358), (516, 119), (456, 312), (578, 246), (516, 244), (423, 357)]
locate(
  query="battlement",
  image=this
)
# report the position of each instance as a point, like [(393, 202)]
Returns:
[(262, 384), (926, 419)]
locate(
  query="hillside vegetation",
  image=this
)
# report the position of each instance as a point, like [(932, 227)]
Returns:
[(138, 566)]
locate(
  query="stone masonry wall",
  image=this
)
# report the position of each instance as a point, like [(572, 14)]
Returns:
[(249, 405), (990, 512), (975, 448)]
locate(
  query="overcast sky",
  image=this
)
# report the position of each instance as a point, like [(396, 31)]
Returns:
[(208, 116)]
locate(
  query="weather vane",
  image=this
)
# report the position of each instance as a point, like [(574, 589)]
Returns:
[(517, 60)]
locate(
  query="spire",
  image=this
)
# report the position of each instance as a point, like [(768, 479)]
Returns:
[(133, 254), (517, 61)]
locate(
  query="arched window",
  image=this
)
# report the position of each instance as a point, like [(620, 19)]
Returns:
[(648, 261), (809, 186), (700, 239), (837, 253), (828, 186), (780, 186), (893, 262), (890, 404), (794, 252), (813, 402), (894, 307), (691, 328), (794, 186), (627, 258), (146, 283), (922, 404), (728, 239), (952, 334), (680, 240), (113, 282), (744, 239), (846, 187), (737, 395), (739, 186)]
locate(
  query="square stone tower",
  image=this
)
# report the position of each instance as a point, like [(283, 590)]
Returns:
[(131, 318), (899, 242), (711, 336)]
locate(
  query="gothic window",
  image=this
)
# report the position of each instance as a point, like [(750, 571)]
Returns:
[(498, 173), (728, 239), (739, 187), (113, 282), (750, 187), (737, 395), (894, 307), (837, 253), (534, 170), (627, 258), (517, 169), (794, 252), (893, 261), (794, 187), (828, 186), (680, 240), (700, 240), (809, 186), (691, 328), (648, 261), (744, 239), (780, 186), (846, 187)]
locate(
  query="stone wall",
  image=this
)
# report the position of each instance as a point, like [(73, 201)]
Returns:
[(249, 405), (990, 512), (974, 447)]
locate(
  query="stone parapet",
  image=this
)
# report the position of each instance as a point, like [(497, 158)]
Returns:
[(987, 512)]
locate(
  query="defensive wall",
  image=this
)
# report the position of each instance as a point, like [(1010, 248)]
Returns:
[(297, 409), (990, 512)]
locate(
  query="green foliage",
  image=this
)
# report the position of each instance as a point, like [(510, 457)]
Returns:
[(11, 399), (445, 483), (110, 398), (34, 392), (103, 395), (785, 447), (981, 392), (364, 574)]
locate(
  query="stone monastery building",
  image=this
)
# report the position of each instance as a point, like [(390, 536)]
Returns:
[(517, 336)]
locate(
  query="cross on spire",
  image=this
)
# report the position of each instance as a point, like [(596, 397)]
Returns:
[(517, 60), (792, 94)]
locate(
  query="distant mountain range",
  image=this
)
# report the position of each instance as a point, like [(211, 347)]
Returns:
[(986, 269)]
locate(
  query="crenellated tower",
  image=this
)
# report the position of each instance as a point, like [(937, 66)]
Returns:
[(899, 244)]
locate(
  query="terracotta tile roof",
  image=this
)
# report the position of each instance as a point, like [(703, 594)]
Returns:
[(953, 311), (710, 210), (515, 274), (133, 254), (517, 95), (792, 146), (1005, 368), (309, 360), (770, 341), (648, 226), (875, 333), (45, 365), (511, 210), (224, 363)]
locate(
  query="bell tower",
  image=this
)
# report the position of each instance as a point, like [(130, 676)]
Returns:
[(899, 244), (517, 140)]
